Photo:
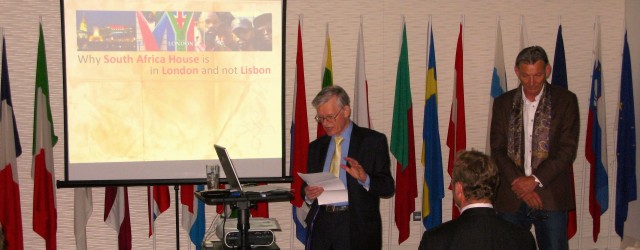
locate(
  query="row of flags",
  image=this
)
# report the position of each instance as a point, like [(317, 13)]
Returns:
[(402, 144), (10, 149), (42, 171), (116, 212)]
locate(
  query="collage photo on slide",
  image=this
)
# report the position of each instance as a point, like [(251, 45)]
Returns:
[(173, 31)]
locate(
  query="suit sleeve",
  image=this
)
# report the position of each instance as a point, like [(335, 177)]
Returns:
[(382, 183), (563, 143), (312, 164)]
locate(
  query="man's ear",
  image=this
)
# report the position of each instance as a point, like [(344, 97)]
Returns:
[(458, 191), (347, 111), (548, 70)]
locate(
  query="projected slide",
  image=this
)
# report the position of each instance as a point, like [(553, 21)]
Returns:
[(151, 86)]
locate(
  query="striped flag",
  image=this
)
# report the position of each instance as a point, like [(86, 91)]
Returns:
[(560, 79), (193, 220), (45, 214), (10, 149), (433, 187), (299, 144), (498, 81), (158, 201), (82, 210), (116, 214), (402, 144), (456, 135), (596, 142), (327, 73), (626, 182), (361, 91)]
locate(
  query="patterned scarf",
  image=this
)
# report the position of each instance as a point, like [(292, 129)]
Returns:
[(540, 135)]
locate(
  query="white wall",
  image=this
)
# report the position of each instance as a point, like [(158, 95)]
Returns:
[(382, 24)]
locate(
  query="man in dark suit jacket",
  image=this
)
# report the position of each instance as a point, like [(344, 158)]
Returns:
[(534, 139), (355, 224), (475, 179)]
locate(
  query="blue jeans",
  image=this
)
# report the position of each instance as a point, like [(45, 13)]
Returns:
[(550, 226)]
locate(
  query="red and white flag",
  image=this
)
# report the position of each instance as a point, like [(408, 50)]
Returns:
[(10, 149), (158, 201), (82, 210), (361, 92), (45, 217), (116, 214), (456, 136)]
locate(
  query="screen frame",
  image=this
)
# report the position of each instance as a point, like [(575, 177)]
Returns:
[(67, 183)]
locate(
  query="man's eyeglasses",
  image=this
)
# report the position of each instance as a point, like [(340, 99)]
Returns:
[(329, 118)]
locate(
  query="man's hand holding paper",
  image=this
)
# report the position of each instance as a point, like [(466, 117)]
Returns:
[(331, 188)]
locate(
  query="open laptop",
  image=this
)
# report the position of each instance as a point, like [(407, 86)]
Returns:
[(228, 168), (232, 176)]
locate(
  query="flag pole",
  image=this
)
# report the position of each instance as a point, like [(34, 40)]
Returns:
[(176, 188), (610, 191), (497, 24), (524, 39), (584, 181), (559, 21), (150, 199)]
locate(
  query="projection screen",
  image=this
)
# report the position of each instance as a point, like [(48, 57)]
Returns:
[(150, 86)]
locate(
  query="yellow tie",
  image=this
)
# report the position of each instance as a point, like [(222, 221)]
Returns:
[(335, 161)]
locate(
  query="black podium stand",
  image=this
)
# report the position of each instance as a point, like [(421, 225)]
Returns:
[(243, 203), (218, 245)]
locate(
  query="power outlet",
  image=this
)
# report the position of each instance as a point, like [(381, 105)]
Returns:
[(417, 216)]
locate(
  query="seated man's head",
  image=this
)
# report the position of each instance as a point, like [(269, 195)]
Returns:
[(475, 178)]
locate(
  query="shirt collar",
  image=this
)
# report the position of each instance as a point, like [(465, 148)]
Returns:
[(475, 205), (347, 132)]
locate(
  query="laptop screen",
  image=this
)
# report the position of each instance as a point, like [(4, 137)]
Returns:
[(227, 167)]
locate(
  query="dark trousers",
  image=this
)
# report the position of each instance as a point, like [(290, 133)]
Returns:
[(550, 226), (331, 231)]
